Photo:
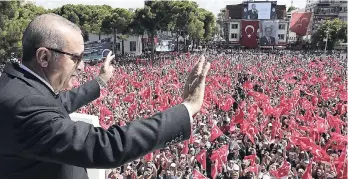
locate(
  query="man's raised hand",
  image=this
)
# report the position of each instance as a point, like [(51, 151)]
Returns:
[(107, 69), (195, 85)]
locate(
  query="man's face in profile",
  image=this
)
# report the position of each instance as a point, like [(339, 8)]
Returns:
[(253, 7), (64, 70), (268, 32)]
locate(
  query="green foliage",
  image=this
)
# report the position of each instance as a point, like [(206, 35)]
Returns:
[(14, 18), (209, 24), (291, 8), (117, 21), (335, 30), (183, 17)]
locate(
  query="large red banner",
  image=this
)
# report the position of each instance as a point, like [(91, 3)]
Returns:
[(299, 22), (249, 33)]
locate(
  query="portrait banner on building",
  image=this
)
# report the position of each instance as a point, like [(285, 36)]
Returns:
[(249, 33), (269, 35), (259, 10), (299, 22)]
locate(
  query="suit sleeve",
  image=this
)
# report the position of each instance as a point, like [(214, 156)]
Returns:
[(45, 134), (78, 97)]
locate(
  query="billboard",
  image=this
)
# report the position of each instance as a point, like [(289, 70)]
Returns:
[(269, 36), (165, 46), (259, 10)]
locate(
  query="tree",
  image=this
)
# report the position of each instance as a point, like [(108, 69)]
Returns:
[(196, 31), (117, 22), (137, 29), (14, 18), (209, 23), (335, 30), (184, 13), (291, 8), (97, 15), (155, 16)]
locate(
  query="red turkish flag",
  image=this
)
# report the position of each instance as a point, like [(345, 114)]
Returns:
[(129, 98), (282, 171), (148, 157), (248, 85), (239, 118), (251, 158), (249, 33), (308, 173), (341, 165), (319, 154), (215, 133), (214, 168), (226, 106), (186, 148), (198, 175), (299, 22), (201, 158), (220, 154)]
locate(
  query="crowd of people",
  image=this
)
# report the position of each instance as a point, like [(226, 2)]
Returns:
[(264, 116)]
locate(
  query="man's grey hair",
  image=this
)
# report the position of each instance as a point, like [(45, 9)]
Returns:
[(43, 31)]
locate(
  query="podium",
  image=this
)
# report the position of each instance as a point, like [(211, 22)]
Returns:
[(94, 120)]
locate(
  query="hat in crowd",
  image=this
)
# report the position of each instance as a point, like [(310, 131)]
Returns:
[(172, 165)]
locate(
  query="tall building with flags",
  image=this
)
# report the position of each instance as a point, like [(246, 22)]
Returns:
[(254, 24)]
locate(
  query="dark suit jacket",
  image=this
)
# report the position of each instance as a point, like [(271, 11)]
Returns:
[(253, 14), (40, 141), (264, 41)]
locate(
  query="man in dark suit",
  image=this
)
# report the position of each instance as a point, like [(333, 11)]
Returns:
[(253, 12), (267, 39), (40, 141)]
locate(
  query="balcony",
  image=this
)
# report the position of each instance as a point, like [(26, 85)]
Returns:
[(326, 11)]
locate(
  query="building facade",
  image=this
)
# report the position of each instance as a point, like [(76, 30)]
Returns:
[(326, 10), (233, 24), (131, 45)]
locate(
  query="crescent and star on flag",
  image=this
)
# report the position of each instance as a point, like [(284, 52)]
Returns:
[(300, 22), (247, 27)]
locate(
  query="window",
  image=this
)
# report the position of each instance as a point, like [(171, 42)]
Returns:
[(234, 26), (132, 46), (281, 26), (281, 36), (233, 36), (118, 47)]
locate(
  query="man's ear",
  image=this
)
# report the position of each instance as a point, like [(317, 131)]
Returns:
[(43, 56)]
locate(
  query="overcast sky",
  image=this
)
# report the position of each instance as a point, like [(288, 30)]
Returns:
[(211, 5)]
